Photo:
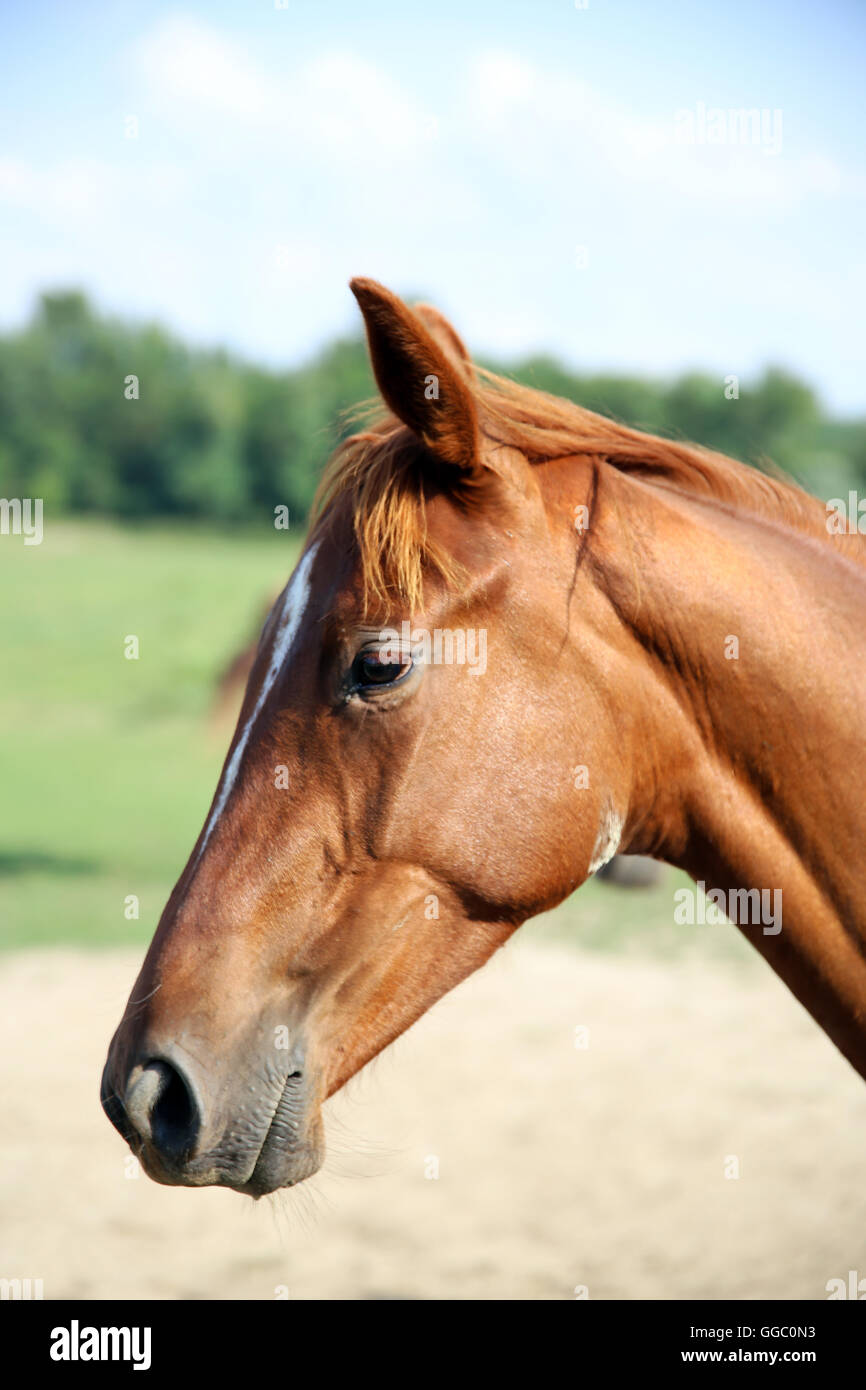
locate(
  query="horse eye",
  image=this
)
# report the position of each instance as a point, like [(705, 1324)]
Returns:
[(368, 669)]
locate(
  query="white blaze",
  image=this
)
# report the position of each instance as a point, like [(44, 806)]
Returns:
[(294, 604)]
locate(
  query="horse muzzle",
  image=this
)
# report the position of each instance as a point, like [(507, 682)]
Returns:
[(255, 1135)]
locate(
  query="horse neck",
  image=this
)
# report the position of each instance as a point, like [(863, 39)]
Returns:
[(747, 646)]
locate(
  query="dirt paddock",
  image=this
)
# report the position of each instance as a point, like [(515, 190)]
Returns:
[(606, 1167)]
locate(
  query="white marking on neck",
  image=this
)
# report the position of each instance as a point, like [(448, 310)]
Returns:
[(294, 605), (607, 840)]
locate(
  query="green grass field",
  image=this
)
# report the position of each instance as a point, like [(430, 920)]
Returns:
[(107, 766)]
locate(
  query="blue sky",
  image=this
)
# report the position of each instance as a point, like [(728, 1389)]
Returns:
[(533, 168)]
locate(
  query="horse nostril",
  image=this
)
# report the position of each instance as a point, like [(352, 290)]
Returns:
[(160, 1105)]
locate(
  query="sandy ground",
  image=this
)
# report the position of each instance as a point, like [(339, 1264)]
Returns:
[(559, 1167)]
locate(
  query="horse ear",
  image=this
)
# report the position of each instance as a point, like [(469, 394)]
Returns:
[(446, 336), (416, 362)]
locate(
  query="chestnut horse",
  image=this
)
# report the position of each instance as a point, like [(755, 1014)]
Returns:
[(674, 659)]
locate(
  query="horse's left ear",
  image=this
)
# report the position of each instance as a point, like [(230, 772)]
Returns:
[(420, 374)]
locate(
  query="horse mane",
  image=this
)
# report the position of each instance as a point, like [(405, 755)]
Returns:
[(375, 472)]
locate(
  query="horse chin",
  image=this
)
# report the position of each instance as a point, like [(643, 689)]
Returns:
[(273, 1168), (277, 1167), (275, 1171)]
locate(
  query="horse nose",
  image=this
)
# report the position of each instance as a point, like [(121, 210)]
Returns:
[(162, 1109)]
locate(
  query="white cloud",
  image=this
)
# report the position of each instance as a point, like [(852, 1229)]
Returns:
[(87, 190), (191, 63), (336, 105), (70, 187), (550, 126)]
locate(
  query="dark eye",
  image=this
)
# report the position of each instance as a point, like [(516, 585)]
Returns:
[(369, 669)]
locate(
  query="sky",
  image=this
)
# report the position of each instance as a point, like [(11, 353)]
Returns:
[(557, 177)]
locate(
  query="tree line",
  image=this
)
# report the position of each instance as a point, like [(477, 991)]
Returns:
[(106, 417)]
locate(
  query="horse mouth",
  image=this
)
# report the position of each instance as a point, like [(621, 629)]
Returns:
[(289, 1153)]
